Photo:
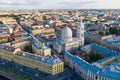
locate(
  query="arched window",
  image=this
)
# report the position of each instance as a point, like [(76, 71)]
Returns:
[(96, 77)]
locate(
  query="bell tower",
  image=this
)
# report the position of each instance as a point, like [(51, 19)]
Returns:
[(80, 31)]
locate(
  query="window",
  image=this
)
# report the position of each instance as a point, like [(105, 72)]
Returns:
[(96, 77), (81, 35)]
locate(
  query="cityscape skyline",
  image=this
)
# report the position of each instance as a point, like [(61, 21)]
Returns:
[(58, 44), (59, 40), (59, 4)]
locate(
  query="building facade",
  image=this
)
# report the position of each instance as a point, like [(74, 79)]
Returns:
[(43, 31), (103, 69), (67, 41), (94, 37), (51, 64), (109, 41), (113, 43)]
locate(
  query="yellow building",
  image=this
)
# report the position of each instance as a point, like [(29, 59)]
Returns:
[(46, 64), (43, 31), (52, 64), (8, 20), (21, 44), (43, 51), (38, 48)]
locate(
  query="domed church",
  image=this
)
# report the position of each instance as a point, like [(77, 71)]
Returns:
[(66, 42)]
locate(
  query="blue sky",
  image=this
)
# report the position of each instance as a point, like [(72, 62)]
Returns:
[(59, 4)]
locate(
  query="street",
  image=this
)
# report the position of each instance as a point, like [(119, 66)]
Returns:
[(68, 74)]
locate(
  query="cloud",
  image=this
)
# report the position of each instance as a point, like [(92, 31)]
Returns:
[(20, 2), (58, 4), (76, 4)]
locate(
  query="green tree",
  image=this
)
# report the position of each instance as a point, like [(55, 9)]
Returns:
[(98, 55), (87, 58), (118, 32), (107, 33), (114, 30), (28, 49), (10, 39), (79, 48), (101, 33), (44, 18)]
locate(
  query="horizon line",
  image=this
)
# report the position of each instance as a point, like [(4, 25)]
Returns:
[(68, 9)]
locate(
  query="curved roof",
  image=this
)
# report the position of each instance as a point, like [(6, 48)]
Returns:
[(67, 31)]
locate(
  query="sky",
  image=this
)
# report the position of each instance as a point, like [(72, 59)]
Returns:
[(59, 4)]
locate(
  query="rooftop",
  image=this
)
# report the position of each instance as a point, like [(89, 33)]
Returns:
[(34, 42), (78, 60), (103, 71), (113, 68), (104, 50), (46, 39), (93, 34), (113, 40), (8, 48), (51, 60)]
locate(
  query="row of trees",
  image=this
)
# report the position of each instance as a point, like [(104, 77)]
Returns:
[(114, 30), (104, 33), (94, 57)]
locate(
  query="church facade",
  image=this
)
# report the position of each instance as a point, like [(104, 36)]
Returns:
[(66, 42)]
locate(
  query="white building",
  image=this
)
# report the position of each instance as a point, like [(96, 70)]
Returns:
[(113, 43), (67, 42), (107, 68)]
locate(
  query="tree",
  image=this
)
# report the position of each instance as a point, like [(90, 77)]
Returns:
[(79, 48), (28, 49), (44, 18), (98, 55), (107, 33), (94, 56), (87, 58), (101, 33), (118, 32), (10, 39), (114, 30)]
